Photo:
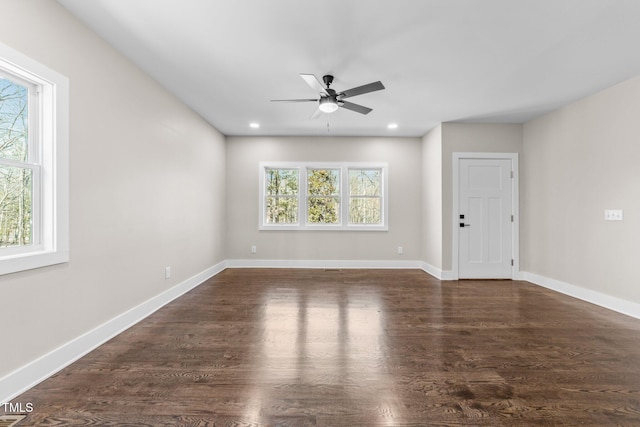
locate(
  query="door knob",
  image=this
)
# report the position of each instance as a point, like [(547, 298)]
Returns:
[(463, 225)]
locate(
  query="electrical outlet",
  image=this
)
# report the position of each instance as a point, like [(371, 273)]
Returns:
[(400, 250), (254, 249), (167, 272)]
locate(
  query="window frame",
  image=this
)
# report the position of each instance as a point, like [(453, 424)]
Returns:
[(48, 159), (343, 196)]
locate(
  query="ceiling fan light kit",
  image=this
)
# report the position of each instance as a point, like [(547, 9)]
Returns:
[(330, 100), (327, 105)]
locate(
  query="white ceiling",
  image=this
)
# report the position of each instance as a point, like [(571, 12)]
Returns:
[(440, 60)]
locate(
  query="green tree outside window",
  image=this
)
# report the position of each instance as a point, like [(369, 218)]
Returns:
[(282, 196), (323, 195)]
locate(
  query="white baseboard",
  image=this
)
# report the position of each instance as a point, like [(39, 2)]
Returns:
[(346, 264), (42, 368), (520, 275), (436, 272), (448, 275), (276, 263), (603, 300)]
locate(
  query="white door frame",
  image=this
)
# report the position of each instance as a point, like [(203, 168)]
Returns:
[(515, 235)]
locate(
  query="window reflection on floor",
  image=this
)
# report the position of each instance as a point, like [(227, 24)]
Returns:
[(330, 341)]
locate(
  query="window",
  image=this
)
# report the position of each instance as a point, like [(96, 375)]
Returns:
[(365, 199), (17, 166), (323, 196), (282, 196), (33, 164)]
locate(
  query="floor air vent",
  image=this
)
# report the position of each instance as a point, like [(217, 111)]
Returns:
[(10, 420)]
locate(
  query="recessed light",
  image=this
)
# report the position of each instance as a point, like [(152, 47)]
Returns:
[(254, 125), (392, 126)]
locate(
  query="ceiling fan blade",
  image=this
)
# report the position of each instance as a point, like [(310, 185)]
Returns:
[(371, 87), (294, 100), (316, 114), (355, 107), (314, 83)]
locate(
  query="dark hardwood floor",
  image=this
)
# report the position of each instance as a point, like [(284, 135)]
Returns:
[(272, 347)]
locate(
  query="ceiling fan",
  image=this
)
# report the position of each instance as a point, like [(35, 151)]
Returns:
[(330, 100)]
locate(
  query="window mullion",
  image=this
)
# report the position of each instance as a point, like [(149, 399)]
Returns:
[(345, 200), (303, 197)]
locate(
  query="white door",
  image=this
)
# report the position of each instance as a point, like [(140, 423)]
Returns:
[(485, 219)]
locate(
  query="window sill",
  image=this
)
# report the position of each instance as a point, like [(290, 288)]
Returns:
[(323, 228), (30, 260)]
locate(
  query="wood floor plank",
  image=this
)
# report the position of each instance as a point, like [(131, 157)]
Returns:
[(275, 347)]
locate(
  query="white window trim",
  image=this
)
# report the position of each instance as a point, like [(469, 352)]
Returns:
[(343, 225), (52, 195)]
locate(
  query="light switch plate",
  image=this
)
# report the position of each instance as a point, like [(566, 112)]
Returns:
[(613, 215)]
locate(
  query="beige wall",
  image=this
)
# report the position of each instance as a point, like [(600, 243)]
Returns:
[(403, 156), (432, 198), (469, 137), (579, 161), (147, 189)]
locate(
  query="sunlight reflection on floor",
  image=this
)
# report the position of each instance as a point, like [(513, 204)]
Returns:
[(331, 341)]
